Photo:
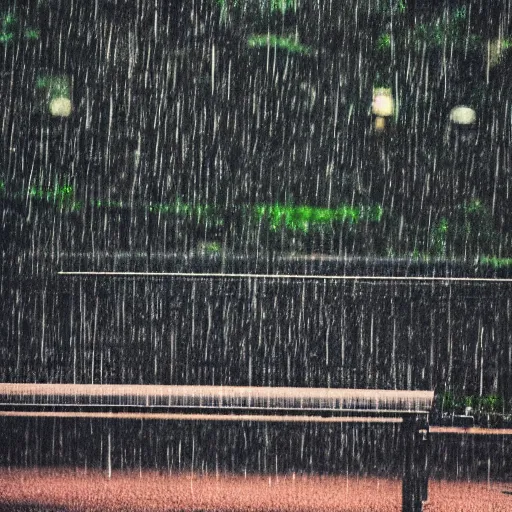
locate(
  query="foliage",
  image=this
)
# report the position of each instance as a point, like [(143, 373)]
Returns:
[(506, 44), (54, 86), (261, 6), (295, 218), (492, 403), (61, 194), (384, 41), (9, 29), (452, 30), (286, 43), (32, 33), (447, 402), (8, 23), (282, 5), (439, 236), (473, 232), (307, 218), (210, 247), (387, 7), (467, 230), (485, 404), (496, 262)]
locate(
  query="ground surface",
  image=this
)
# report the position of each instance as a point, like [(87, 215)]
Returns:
[(44, 490)]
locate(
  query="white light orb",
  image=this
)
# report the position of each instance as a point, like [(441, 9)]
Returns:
[(383, 104), (60, 107), (462, 115)]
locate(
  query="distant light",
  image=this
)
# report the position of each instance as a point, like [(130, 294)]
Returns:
[(496, 49), (60, 107), (380, 124), (462, 115), (383, 104)]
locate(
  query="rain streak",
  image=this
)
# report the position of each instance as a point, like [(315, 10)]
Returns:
[(292, 211)]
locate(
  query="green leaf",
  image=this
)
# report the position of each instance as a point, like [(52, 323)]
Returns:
[(31, 33), (384, 41), (5, 37), (286, 43)]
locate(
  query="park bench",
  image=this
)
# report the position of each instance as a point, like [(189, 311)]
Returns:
[(242, 403)]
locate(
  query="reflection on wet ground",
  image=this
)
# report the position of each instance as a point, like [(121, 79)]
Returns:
[(55, 490)]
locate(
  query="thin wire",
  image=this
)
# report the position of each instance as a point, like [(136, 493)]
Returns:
[(220, 275)]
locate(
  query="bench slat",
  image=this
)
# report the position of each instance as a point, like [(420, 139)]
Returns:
[(216, 397)]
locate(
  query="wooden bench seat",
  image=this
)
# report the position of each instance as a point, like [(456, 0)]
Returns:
[(241, 403)]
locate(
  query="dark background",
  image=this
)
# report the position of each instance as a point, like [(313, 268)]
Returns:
[(170, 103)]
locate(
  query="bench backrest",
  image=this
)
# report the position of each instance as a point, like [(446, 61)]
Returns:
[(215, 398)]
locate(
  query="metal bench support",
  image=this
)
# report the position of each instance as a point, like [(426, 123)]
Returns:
[(415, 449)]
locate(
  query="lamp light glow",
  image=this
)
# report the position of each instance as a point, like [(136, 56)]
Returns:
[(383, 103), (462, 115), (60, 107)]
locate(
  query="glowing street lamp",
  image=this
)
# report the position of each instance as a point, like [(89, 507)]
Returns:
[(383, 106), (462, 115), (60, 107), (54, 94)]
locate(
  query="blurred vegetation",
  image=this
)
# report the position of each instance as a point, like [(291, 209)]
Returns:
[(306, 218), (491, 410), (10, 30), (466, 233), (496, 262), (54, 86), (289, 44), (294, 218), (231, 10), (60, 194), (264, 6)]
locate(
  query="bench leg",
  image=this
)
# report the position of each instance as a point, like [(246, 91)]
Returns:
[(415, 464), (424, 455)]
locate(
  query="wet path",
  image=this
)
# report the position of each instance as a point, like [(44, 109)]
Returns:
[(79, 491)]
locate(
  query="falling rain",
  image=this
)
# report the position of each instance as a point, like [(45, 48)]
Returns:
[(276, 193)]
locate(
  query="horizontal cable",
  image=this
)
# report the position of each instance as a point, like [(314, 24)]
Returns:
[(221, 275)]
